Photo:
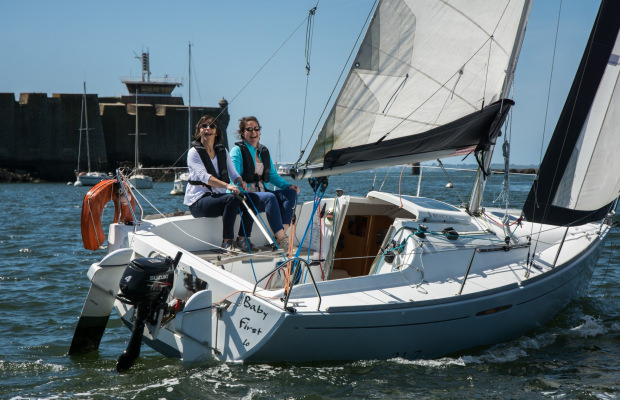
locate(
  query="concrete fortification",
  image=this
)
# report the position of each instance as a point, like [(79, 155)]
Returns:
[(41, 134)]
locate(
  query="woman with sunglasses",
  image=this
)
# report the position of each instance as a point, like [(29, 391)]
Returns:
[(210, 173), (252, 160)]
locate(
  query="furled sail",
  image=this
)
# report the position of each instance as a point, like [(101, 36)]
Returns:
[(427, 82), (579, 176)]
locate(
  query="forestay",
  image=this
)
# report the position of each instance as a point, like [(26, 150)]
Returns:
[(578, 178), (427, 82)]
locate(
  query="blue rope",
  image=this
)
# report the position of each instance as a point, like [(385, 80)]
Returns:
[(317, 201)]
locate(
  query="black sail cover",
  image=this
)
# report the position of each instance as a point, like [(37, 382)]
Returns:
[(579, 177), (474, 132)]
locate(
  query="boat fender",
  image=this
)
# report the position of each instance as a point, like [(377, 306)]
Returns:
[(92, 207), (450, 233)]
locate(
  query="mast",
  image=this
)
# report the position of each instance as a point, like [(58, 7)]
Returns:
[(475, 201), (136, 139), (85, 107), (189, 100), (77, 171)]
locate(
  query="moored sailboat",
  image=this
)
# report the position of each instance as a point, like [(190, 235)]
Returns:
[(88, 177), (388, 275), (137, 178), (181, 177)]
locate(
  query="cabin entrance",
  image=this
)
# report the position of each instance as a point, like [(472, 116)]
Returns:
[(359, 242)]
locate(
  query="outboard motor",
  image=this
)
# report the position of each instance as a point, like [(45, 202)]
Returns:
[(145, 284)]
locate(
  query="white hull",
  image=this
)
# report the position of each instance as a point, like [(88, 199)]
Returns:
[(90, 178), (408, 308), (140, 181)]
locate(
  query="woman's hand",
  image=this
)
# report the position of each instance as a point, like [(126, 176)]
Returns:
[(294, 187), (233, 188)]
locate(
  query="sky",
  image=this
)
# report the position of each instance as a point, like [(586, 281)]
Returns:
[(252, 53)]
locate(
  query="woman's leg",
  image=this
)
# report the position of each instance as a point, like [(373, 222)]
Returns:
[(268, 202), (287, 198), (231, 210), (247, 222), (219, 204)]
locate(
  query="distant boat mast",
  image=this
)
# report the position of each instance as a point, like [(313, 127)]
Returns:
[(189, 100)]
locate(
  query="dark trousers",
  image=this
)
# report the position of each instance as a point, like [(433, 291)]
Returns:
[(225, 205), (278, 205)]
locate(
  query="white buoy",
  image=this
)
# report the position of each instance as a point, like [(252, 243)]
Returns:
[(449, 185)]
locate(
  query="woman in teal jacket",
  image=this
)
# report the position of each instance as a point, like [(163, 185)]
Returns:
[(253, 162)]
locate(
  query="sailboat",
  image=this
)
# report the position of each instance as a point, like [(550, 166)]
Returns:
[(282, 168), (137, 178), (385, 275), (181, 177), (89, 177)]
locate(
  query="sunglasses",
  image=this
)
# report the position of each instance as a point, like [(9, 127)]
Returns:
[(250, 129), (210, 126)]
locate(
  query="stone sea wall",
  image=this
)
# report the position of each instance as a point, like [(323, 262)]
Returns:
[(40, 135)]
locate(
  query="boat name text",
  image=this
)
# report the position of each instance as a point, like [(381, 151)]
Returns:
[(247, 303), (243, 324)]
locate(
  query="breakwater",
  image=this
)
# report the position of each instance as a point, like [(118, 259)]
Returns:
[(41, 134)]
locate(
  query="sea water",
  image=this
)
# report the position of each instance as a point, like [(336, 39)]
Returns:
[(43, 285)]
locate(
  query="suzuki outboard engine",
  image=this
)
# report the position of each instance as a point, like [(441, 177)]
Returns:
[(145, 284)]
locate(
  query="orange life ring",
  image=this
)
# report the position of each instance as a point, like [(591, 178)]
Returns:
[(92, 207)]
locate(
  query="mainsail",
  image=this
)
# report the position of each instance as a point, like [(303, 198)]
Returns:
[(579, 177), (428, 81)]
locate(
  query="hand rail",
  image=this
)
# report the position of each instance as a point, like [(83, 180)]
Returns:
[(288, 293)]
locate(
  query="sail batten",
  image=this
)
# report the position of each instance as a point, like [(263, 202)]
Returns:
[(578, 178), (422, 66)]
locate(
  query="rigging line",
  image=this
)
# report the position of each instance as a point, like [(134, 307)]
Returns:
[(260, 69), (492, 37), (400, 179), (504, 196), (385, 178), (196, 80), (309, 36), (449, 180), (486, 75), (339, 78), (160, 213), (169, 169), (308, 52), (373, 181), (540, 157)]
